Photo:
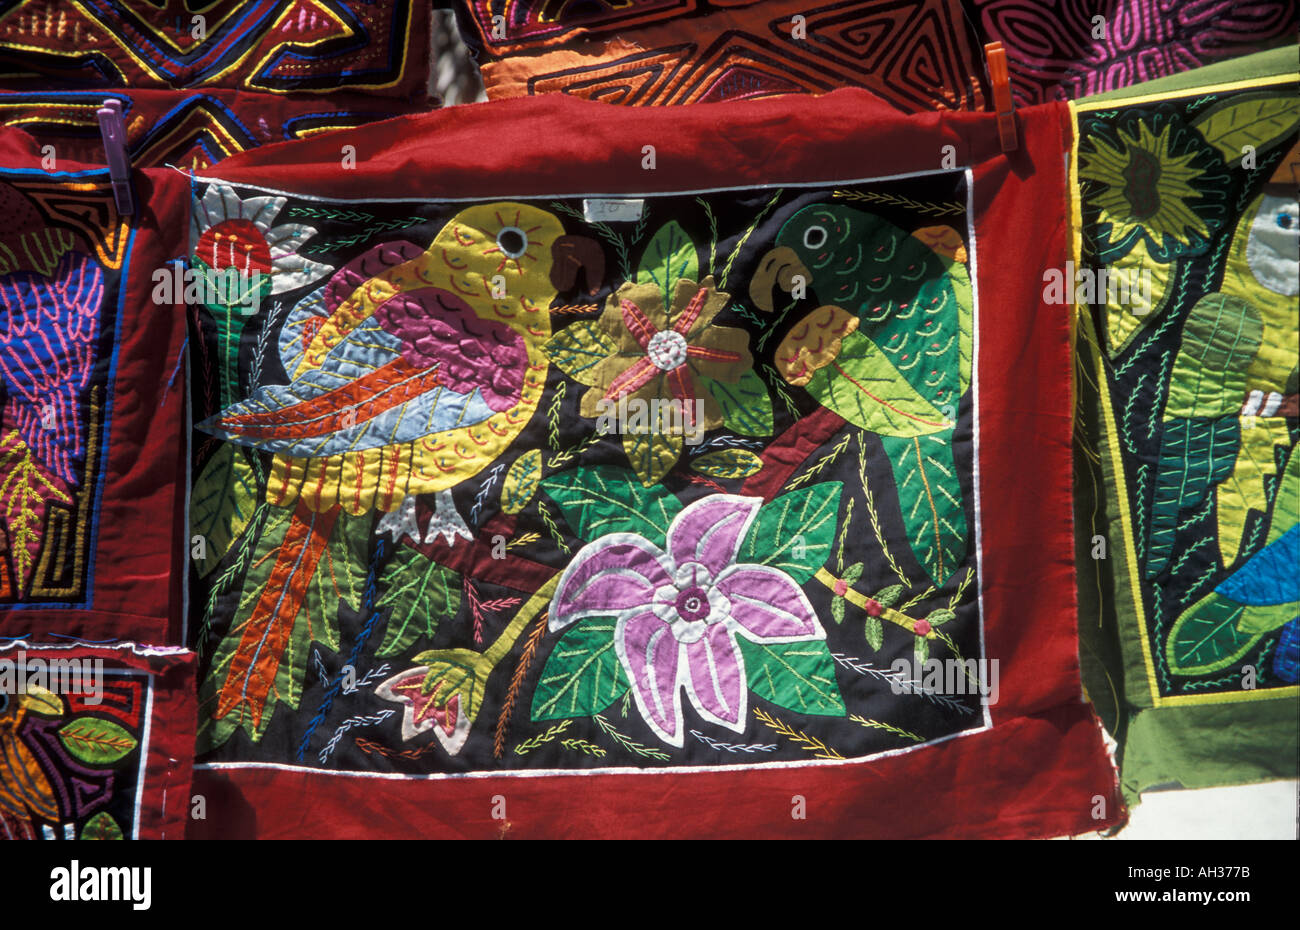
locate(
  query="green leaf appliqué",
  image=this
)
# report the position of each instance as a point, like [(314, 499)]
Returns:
[(606, 499), (582, 676), (746, 405), (795, 532), (797, 676), (420, 593), (97, 742), (669, 258), (728, 463)]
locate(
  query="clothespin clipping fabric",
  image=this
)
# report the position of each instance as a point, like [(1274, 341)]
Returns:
[(113, 129), (1000, 79)]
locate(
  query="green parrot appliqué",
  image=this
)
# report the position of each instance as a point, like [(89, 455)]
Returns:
[(888, 349)]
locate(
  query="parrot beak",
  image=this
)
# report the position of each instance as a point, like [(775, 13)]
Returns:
[(574, 255), (780, 266), (813, 343)]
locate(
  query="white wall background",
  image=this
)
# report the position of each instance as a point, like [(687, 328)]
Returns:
[(1245, 812)]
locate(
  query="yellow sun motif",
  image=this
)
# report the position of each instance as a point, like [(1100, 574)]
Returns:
[(1145, 189)]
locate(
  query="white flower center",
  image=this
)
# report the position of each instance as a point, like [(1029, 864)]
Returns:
[(667, 350)]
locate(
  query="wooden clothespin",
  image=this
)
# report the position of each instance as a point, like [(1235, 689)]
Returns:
[(1003, 105), (113, 129)]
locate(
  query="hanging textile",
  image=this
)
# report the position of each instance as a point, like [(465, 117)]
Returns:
[(1189, 492), (191, 130), (916, 55), (92, 439), (276, 46), (662, 456), (1067, 49), (96, 741)]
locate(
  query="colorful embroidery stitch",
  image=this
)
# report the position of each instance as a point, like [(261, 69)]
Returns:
[(53, 367), (915, 54), (1191, 389), (267, 45), (631, 567)]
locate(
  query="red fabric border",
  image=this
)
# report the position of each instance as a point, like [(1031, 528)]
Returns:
[(139, 555), (1037, 772)]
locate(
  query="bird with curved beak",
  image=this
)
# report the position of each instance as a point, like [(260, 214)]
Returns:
[(410, 371), (887, 347)]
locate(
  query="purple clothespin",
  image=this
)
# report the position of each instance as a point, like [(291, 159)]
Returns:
[(112, 128)]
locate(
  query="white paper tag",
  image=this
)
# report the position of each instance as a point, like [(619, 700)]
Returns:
[(604, 210)]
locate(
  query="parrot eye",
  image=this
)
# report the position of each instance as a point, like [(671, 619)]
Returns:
[(1285, 221), (513, 241), (814, 237)]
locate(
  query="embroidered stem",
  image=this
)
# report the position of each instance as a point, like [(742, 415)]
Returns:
[(732, 747), (740, 243), (629, 744), (550, 525), (811, 743), (370, 747), (553, 418), (516, 683), (944, 208), (532, 607), (349, 724), (565, 456), (961, 589), (886, 613), (890, 728), (532, 743), (844, 533), (373, 614), (874, 517), (581, 745), (713, 232), (821, 463), (481, 496), (916, 599), (905, 685)]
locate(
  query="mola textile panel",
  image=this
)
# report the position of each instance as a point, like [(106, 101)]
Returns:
[(1189, 490), (187, 129), (1068, 49), (96, 741), (92, 436), (674, 477), (915, 54), (276, 46)]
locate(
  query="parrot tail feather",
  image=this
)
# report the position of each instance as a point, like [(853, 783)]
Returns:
[(257, 658)]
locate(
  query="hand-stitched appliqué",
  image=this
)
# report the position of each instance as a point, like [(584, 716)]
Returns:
[(491, 486), (1199, 194), (69, 765), (53, 377)]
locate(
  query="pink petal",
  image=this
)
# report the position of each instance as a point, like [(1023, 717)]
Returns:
[(637, 375), (768, 605), (637, 323), (717, 678), (709, 531), (616, 573), (691, 312), (650, 656), (682, 387)]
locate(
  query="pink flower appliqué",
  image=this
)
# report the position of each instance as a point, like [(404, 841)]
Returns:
[(679, 612)]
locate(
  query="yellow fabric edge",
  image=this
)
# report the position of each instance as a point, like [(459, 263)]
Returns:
[(1245, 84), (1117, 465), (1232, 697)]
